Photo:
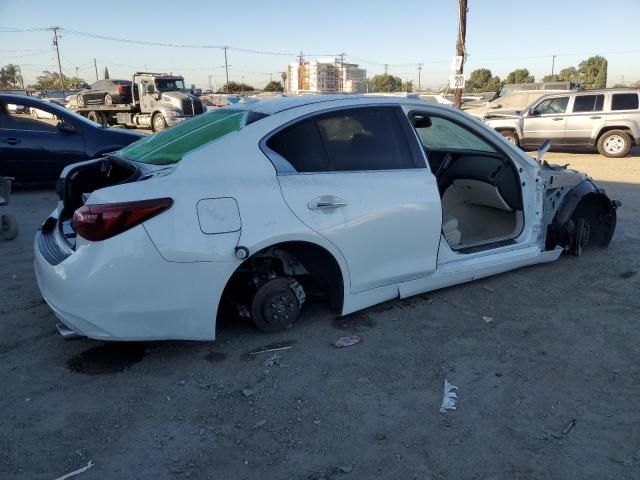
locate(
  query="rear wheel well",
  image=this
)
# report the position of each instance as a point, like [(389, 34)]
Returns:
[(310, 264), (604, 130)]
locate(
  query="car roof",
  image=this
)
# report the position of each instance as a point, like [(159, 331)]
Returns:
[(277, 105)]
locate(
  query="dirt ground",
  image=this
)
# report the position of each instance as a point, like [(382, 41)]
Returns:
[(549, 389)]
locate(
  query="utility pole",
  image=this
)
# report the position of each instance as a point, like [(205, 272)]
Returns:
[(226, 69), (386, 67), (553, 65), (301, 70), (460, 48), (95, 64), (210, 87), (55, 43), (76, 72), (419, 79)]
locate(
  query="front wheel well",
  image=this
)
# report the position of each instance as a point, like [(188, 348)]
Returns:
[(309, 263), (587, 206)]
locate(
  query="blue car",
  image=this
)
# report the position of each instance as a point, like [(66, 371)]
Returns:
[(39, 138)]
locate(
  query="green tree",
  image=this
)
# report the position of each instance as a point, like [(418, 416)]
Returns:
[(106, 73), (10, 76), (494, 84), (51, 81), (236, 87), (482, 80), (408, 86), (274, 86), (593, 72), (569, 74), (551, 78), (520, 75), (385, 83)]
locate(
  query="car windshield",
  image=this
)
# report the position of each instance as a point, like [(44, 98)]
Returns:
[(170, 145), (169, 84)]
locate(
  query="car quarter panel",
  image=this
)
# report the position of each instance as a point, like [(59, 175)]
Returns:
[(123, 290)]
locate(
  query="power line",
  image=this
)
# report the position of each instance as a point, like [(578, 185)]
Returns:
[(41, 52)]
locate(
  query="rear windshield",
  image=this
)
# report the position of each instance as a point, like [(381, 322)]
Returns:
[(170, 145)]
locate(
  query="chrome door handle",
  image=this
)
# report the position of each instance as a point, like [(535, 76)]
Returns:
[(326, 204), (12, 141), (595, 117), (557, 119)]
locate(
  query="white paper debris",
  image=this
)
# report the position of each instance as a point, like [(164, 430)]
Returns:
[(487, 318), (449, 397), (77, 472)]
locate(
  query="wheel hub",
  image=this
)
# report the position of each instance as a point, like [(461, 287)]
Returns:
[(282, 307), (614, 144)]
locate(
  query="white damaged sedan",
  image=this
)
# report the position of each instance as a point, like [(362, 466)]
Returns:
[(244, 210)]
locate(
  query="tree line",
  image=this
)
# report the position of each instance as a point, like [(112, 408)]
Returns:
[(590, 73)]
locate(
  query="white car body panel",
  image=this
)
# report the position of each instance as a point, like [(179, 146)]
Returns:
[(369, 229), (164, 279)]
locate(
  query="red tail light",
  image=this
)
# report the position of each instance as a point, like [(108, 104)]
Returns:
[(121, 89), (99, 222)]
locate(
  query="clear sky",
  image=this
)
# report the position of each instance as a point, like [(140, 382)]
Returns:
[(501, 35)]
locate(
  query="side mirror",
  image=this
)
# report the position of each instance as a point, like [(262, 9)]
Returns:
[(544, 148), (421, 121), (533, 112), (65, 127)]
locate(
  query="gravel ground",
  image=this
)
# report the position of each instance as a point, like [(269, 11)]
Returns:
[(549, 389)]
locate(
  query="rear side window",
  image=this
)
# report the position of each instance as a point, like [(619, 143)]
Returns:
[(355, 139), (170, 145), (301, 146), (365, 139), (624, 101), (588, 103)]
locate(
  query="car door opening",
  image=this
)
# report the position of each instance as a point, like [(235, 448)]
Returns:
[(479, 186)]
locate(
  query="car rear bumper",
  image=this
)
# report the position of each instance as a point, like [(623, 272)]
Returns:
[(122, 289)]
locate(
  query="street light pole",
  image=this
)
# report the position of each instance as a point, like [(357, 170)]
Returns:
[(553, 65)]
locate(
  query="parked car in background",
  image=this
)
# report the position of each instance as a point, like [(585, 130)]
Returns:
[(106, 92), (608, 119), (37, 113), (510, 102), (366, 199), (435, 98), (548, 86), (36, 146)]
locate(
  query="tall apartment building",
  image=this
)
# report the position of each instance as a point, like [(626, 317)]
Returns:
[(325, 75)]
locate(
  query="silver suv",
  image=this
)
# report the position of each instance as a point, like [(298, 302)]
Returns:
[(608, 119)]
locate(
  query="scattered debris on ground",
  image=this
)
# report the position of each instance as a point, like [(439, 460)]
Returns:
[(77, 472), (348, 341), (273, 360), (449, 397)]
